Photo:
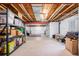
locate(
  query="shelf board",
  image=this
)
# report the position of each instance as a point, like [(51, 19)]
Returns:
[(13, 25), (4, 54), (3, 13), (11, 38), (16, 36), (16, 17), (2, 34), (2, 23)]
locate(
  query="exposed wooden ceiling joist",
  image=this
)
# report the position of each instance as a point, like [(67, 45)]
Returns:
[(24, 17), (11, 8), (2, 7), (45, 9), (54, 7), (57, 11), (26, 13), (71, 13), (19, 9), (67, 10), (29, 9)]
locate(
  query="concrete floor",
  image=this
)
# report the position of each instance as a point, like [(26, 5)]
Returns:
[(41, 46)]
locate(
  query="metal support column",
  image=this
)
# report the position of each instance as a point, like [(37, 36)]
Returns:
[(7, 50), (59, 27)]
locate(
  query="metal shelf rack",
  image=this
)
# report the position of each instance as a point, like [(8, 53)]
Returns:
[(7, 35)]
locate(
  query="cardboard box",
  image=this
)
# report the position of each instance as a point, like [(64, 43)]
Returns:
[(2, 18), (13, 32), (5, 31), (18, 32), (71, 45)]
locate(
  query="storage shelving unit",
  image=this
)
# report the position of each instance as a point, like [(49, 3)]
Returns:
[(12, 33)]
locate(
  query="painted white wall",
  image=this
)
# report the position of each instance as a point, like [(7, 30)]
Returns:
[(69, 24), (47, 31), (64, 27), (52, 28), (28, 29), (77, 22), (37, 30)]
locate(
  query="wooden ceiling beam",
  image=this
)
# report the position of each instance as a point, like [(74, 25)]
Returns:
[(19, 9), (2, 7), (71, 7), (29, 9), (26, 13), (54, 7), (11, 8), (14, 8), (25, 18), (73, 12), (45, 9), (57, 11)]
